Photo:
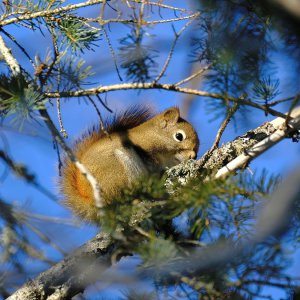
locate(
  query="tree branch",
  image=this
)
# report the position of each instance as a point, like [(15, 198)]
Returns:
[(71, 275), (9, 58), (49, 12), (161, 86), (281, 132)]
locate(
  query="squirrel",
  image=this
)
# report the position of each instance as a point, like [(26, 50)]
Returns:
[(134, 144)]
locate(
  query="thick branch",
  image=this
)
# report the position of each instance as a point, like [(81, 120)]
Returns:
[(281, 130), (71, 275)]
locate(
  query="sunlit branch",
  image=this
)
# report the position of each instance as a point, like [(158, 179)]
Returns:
[(50, 12), (281, 132), (159, 4), (161, 86), (9, 58)]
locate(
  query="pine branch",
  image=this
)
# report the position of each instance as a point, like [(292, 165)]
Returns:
[(273, 221), (71, 276), (162, 86), (49, 12)]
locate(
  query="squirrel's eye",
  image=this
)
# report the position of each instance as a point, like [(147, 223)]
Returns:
[(179, 136)]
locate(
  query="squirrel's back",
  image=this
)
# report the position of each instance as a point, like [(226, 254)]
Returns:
[(133, 144)]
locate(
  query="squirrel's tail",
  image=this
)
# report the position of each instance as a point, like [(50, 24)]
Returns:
[(77, 191)]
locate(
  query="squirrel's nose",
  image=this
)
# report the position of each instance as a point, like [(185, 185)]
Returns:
[(192, 154)]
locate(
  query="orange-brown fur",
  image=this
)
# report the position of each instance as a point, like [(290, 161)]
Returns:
[(134, 145)]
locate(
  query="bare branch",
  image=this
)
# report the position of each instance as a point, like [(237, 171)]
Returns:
[(162, 86), (50, 12), (177, 35), (196, 74), (159, 4), (21, 171), (281, 132)]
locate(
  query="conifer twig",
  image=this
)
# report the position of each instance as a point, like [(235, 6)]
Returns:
[(50, 12), (159, 4), (201, 71), (21, 171), (177, 35)]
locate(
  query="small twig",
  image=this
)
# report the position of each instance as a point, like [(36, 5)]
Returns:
[(201, 71), (293, 105), (230, 113), (6, 150), (51, 12), (99, 115), (111, 49), (215, 145), (61, 125), (18, 45), (177, 35), (274, 103), (103, 103), (56, 55), (142, 232), (44, 237), (21, 171), (60, 164), (161, 5), (56, 220)]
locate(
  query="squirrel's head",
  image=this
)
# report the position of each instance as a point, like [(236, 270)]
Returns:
[(169, 138)]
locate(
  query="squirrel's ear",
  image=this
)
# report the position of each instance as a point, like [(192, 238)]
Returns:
[(169, 117)]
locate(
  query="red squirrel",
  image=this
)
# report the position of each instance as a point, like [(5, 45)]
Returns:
[(135, 144)]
